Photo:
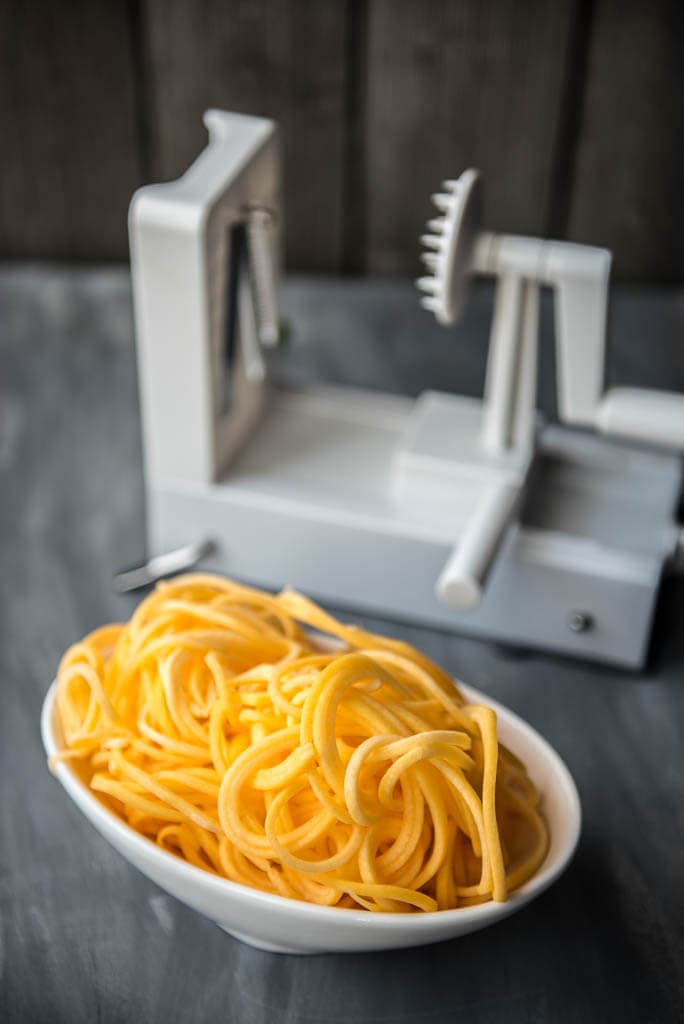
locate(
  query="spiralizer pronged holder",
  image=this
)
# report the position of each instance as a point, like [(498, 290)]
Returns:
[(463, 513), (456, 248), (503, 441)]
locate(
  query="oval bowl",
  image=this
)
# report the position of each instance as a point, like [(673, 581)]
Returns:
[(282, 925)]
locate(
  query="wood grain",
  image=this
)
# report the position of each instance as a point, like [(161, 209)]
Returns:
[(85, 936), (572, 110), (453, 86), (68, 111), (268, 57), (627, 189)]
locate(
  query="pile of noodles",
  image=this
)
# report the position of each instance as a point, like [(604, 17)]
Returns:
[(352, 774)]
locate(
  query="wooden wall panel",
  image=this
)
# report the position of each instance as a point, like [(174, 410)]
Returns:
[(451, 85), (68, 117), (572, 110), (627, 190), (279, 58)]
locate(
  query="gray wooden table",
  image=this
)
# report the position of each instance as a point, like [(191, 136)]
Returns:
[(83, 936)]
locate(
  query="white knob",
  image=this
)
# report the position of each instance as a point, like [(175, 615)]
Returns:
[(464, 576), (655, 417)]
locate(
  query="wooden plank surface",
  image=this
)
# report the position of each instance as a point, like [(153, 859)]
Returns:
[(572, 110), (272, 58), (85, 936), (627, 190), (458, 85), (68, 115)]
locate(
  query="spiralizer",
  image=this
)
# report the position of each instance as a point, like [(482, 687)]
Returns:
[(468, 514)]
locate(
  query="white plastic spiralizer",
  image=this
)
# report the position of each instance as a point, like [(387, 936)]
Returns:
[(472, 515)]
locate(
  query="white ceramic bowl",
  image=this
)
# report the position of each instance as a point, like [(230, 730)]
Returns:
[(288, 926)]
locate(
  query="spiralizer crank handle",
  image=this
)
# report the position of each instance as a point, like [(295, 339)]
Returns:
[(464, 576)]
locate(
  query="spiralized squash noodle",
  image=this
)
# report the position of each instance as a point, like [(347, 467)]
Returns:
[(220, 727)]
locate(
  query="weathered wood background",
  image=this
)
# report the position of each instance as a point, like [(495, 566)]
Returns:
[(573, 109)]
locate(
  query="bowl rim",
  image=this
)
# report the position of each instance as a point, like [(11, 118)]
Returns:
[(97, 812)]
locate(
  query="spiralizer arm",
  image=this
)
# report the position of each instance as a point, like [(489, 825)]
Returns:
[(579, 274)]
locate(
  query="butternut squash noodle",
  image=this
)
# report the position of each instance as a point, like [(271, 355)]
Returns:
[(217, 725)]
